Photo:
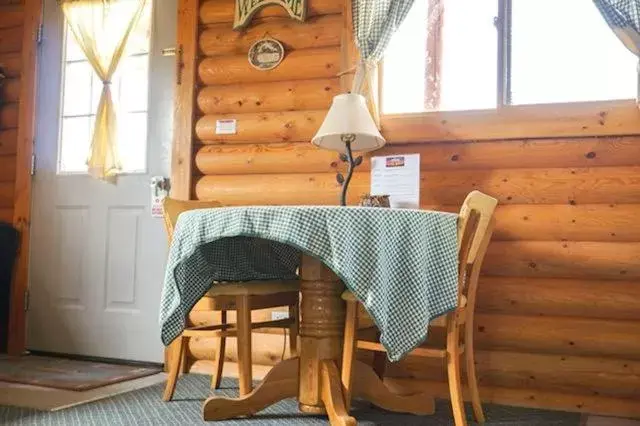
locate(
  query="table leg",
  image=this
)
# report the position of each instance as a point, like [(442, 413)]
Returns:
[(280, 383)]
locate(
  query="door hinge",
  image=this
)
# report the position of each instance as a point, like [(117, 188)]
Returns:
[(39, 34), (33, 164), (27, 300)]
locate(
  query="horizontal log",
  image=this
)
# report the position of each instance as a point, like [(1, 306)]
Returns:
[(533, 398), (10, 90), (6, 195), (560, 373), (320, 31), (509, 186), (213, 11), (11, 16), (268, 97), (589, 222), (558, 335), (560, 297), (8, 141), (7, 168), (578, 152), (588, 260), (10, 39), (257, 127), (6, 215), (526, 121), (8, 116), (297, 65), (11, 64)]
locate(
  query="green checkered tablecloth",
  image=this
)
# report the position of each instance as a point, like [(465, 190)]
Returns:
[(401, 264)]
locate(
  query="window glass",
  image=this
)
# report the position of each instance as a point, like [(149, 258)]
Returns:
[(564, 51), (81, 94)]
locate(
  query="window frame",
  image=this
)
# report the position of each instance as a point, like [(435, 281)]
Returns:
[(507, 121)]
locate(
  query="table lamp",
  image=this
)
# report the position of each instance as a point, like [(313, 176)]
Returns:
[(348, 127)]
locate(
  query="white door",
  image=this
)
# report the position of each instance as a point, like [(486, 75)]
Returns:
[(97, 255)]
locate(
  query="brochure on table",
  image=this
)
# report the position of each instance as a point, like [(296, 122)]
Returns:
[(399, 177)]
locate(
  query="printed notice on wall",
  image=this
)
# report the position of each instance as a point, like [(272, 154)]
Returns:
[(226, 127), (399, 177)]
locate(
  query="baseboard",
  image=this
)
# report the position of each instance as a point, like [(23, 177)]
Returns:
[(97, 359)]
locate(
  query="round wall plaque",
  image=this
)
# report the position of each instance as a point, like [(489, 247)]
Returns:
[(266, 54)]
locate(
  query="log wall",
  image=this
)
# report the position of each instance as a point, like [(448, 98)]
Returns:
[(558, 321)]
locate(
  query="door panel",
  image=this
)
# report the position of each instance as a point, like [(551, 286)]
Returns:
[(97, 255)]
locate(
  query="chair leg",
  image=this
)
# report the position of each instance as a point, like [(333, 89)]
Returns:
[(348, 351), (293, 330), (453, 370), (175, 368), (379, 361), (471, 372), (243, 310), (219, 360)]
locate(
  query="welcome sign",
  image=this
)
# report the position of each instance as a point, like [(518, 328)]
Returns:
[(245, 9)]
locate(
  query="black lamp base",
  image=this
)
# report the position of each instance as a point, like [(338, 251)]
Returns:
[(352, 163)]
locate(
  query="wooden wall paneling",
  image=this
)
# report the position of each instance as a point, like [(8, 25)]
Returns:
[(10, 90), (528, 121), (263, 158), (21, 202), (558, 259), (268, 97), (263, 127), (534, 398), (8, 141), (509, 186), (558, 335), (187, 42), (319, 31), (7, 192), (9, 116), (11, 64), (11, 39), (302, 64), (11, 16), (216, 11), (581, 298), (559, 373)]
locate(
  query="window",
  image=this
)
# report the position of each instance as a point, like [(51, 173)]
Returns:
[(480, 54), (81, 94)]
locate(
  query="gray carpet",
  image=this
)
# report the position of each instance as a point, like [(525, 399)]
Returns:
[(145, 407)]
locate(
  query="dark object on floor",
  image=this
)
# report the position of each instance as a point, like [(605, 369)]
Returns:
[(60, 373), (145, 407), (8, 250)]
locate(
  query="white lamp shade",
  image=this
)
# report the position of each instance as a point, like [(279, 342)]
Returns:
[(349, 115)]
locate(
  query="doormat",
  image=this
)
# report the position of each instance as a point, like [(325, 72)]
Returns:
[(60, 373)]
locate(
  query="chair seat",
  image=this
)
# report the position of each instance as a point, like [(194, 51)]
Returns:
[(253, 288), (441, 321)]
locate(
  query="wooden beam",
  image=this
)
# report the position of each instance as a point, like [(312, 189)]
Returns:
[(8, 141), (10, 90), (11, 39), (306, 158), (559, 259), (221, 11), (297, 65), (9, 116), (187, 41), (268, 97), (581, 298), (607, 118), (320, 31), (22, 194), (259, 127), (11, 16), (11, 64)]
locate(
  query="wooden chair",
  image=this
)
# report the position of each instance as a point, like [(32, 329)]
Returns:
[(475, 226), (243, 297)]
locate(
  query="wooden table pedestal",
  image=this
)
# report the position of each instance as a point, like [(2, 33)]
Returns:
[(314, 376)]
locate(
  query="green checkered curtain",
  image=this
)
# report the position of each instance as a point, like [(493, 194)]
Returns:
[(374, 22), (623, 16)]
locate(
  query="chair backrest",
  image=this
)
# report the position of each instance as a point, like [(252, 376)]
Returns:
[(172, 209), (484, 206)]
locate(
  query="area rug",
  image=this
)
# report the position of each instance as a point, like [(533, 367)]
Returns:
[(60, 373), (145, 407)]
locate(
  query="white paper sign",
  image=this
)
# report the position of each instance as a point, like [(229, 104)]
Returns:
[(399, 177), (226, 127)]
